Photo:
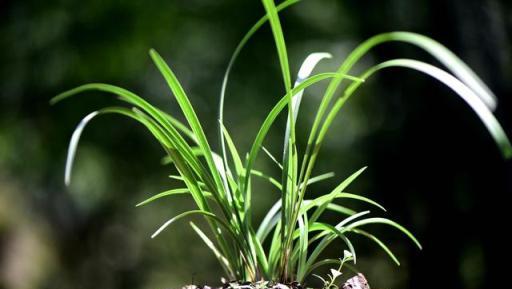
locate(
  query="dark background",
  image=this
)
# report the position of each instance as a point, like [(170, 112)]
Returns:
[(431, 162)]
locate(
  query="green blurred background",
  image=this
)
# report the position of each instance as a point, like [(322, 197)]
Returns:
[(431, 162)]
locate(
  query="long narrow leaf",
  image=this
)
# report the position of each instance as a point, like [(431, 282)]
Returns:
[(276, 110), (188, 213), (338, 189), (189, 113), (232, 60), (453, 83), (453, 63), (222, 260), (164, 194), (369, 221), (379, 243)]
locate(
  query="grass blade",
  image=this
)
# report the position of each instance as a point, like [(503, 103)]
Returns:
[(232, 60), (326, 200), (338, 189), (222, 260), (179, 191), (468, 95), (330, 235), (277, 31), (304, 72), (188, 213), (453, 63), (303, 246), (189, 113), (368, 221), (379, 243), (173, 138), (331, 231), (75, 138), (276, 110), (319, 178), (269, 221), (73, 145)]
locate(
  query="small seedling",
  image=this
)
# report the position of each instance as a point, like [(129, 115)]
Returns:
[(335, 273)]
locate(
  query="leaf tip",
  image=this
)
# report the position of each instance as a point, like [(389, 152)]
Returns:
[(57, 98), (155, 56), (53, 100), (507, 153), (418, 244)]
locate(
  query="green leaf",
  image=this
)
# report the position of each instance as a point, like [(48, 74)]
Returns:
[(234, 152), (269, 221), (188, 213), (328, 230), (329, 262), (234, 56), (339, 226), (330, 197), (341, 209), (222, 260), (276, 110), (379, 243), (325, 201), (319, 178), (261, 257), (172, 192), (189, 113), (75, 138), (368, 221), (277, 31), (73, 145), (159, 122), (196, 151), (303, 246), (467, 94), (443, 55), (304, 72), (270, 179), (279, 165), (180, 191), (330, 235)]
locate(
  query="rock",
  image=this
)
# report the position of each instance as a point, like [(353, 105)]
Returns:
[(357, 282)]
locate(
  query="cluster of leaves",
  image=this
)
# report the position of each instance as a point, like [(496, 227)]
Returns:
[(289, 241)]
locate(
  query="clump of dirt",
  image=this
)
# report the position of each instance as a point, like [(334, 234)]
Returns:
[(261, 285), (250, 285), (356, 282)]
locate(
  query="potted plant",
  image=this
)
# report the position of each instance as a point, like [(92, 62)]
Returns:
[(285, 247)]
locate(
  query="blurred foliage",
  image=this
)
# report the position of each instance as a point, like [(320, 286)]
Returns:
[(446, 187)]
